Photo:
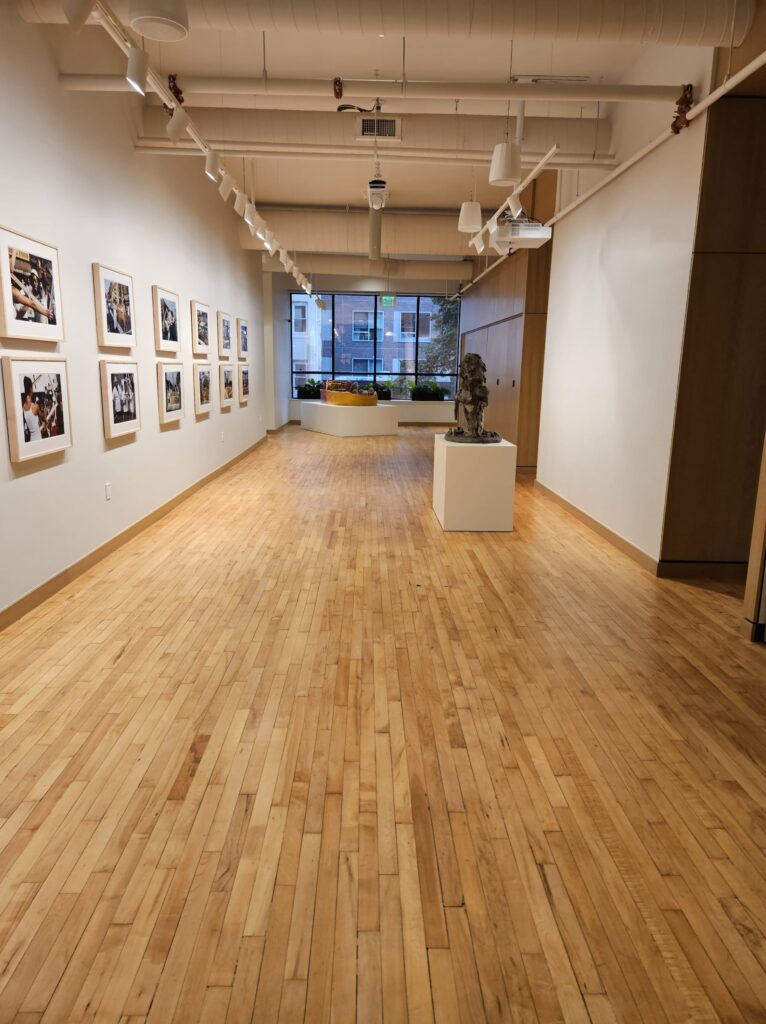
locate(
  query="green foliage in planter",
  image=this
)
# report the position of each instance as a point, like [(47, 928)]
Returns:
[(310, 389), (427, 391)]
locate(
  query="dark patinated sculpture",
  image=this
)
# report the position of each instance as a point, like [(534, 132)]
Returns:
[(472, 397)]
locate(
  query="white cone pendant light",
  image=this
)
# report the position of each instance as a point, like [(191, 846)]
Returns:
[(469, 220), (138, 68), (177, 125), (505, 168), (212, 163)]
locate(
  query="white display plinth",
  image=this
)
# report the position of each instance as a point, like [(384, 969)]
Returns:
[(474, 485), (350, 420)]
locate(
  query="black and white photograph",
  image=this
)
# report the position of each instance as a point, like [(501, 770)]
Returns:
[(203, 398), (115, 313), (119, 398), (170, 391), (200, 318), (166, 327), (244, 385), (224, 335), (29, 276), (37, 406), (227, 386), (242, 339)]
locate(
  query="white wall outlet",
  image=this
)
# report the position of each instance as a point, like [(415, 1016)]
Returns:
[(108, 492)]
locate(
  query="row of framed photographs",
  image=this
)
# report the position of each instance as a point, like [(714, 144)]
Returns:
[(39, 413), (30, 305)]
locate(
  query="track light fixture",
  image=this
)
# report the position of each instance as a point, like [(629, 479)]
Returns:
[(240, 204), (77, 12), (514, 205), (212, 165), (478, 243), (177, 125), (226, 187), (138, 69), (250, 214)]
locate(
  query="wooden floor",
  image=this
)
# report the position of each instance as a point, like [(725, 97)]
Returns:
[(296, 754)]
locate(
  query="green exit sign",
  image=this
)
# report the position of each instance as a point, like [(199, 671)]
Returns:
[(388, 301)]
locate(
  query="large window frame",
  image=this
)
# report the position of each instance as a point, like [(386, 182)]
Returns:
[(375, 317)]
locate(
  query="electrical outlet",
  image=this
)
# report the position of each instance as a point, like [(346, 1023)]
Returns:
[(108, 492)]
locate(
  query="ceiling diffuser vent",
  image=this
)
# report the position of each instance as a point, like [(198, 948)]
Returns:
[(386, 129)]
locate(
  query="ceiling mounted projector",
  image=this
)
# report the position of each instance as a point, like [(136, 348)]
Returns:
[(166, 21), (529, 234)]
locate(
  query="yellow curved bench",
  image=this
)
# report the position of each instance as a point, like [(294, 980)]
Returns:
[(348, 398)]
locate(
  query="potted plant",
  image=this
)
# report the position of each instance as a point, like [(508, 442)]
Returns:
[(427, 391), (310, 389), (383, 390)]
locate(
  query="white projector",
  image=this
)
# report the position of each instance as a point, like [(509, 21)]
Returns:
[(529, 234)]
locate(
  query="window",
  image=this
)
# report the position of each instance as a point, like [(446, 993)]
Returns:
[(366, 365), (361, 325), (300, 317), (412, 341)]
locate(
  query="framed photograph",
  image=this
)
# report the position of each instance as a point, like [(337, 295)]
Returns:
[(37, 406), (170, 391), (203, 385), (115, 312), (224, 335), (119, 398), (30, 289), (242, 349), (244, 384), (166, 320), (200, 317), (227, 386)]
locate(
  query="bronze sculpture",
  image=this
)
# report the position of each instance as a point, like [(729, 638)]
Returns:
[(472, 397)]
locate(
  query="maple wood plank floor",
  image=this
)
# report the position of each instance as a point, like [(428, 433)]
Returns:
[(296, 754)]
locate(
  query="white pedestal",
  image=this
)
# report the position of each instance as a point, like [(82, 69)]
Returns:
[(349, 420), (474, 485)]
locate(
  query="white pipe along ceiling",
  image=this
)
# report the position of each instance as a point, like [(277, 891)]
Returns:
[(666, 22)]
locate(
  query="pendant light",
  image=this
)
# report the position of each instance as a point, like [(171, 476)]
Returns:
[(505, 168), (138, 69), (77, 12), (469, 220)]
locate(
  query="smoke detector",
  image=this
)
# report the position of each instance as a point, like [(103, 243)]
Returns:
[(166, 21)]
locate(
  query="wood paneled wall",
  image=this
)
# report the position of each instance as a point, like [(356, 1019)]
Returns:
[(503, 318), (721, 410)]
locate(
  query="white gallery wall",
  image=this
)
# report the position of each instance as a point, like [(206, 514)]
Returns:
[(616, 308), (69, 176)]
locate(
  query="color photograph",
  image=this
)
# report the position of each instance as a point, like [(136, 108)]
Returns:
[(119, 398), (37, 406), (200, 317), (115, 314), (242, 339), (203, 398), (166, 326), (227, 386), (170, 391), (244, 385), (31, 294), (224, 335)]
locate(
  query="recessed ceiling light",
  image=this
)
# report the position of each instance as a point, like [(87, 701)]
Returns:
[(163, 20)]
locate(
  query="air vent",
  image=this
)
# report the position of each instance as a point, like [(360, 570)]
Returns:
[(386, 129)]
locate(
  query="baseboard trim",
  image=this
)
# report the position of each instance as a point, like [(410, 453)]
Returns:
[(702, 570), (278, 430), (36, 597), (639, 556)]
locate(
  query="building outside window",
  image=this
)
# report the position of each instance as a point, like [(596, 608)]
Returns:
[(356, 338)]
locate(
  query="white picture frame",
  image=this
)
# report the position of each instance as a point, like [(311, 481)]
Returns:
[(167, 320), (119, 397), (115, 307), (30, 288), (200, 326), (243, 382), (225, 332), (37, 406), (227, 385), (243, 338), (203, 384), (170, 391)]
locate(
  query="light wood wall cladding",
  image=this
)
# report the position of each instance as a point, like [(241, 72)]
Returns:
[(504, 318), (721, 410), (755, 598)]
